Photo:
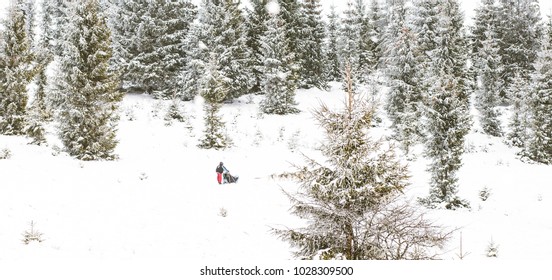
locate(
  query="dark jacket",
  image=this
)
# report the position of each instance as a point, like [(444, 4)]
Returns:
[(220, 169)]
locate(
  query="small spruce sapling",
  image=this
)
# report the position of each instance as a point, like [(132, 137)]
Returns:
[(492, 249), (32, 235)]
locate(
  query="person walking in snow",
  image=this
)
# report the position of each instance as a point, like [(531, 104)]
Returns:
[(220, 169)]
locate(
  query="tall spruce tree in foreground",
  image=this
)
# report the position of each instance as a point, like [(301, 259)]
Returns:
[(88, 113), (352, 200), (278, 89), (214, 91), (539, 146), (16, 71)]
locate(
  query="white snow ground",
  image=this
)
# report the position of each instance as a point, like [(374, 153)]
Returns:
[(160, 200)]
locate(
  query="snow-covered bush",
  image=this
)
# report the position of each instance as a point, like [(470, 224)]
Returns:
[(258, 137), (281, 132), (129, 114), (5, 153), (492, 249), (223, 212), (293, 141), (56, 150), (32, 235), (484, 193), (143, 176)]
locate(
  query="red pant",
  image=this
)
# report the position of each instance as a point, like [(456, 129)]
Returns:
[(219, 178)]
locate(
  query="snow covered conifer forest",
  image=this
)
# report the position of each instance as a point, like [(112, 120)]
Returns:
[(369, 130)]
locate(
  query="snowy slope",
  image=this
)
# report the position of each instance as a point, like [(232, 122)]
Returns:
[(161, 198)]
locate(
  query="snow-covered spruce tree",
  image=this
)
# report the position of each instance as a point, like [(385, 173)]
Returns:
[(349, 47), (367, 59), (129, 40), (518, 32), (148, 40), (60, 16), (518, 91), (333, 71), (221, 35), (192, 74), (29, 10), (290, 11), (40, 111), (490, 87), (173, 20), (447, 108), (256, 26), (351, 202), (539, 143), (404, 100), (278, 89), (376, 20), (231, 48), (213, 91), (44, 56), (88, 114), (313, 62), (16, 71), (485, 20)]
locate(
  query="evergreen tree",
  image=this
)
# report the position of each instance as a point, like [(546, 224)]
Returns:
[(278, 89), (88, 113), (425, 18), (485, 21), (518, 34), (192, 75), (148, 40), (45, 56), (347, 199), (231, 48), (214, 92), (312, 38), (490, 85), (221, 35), (331, 48), (60, 15), (367, 59), (376, 20), (16, 71), (349, 48), (447, 107), (290, 11), (40, 111), (518, 89), (404, 102), (173, 20), (29, 10), (539, 146), (256, 27), (129, 40)]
